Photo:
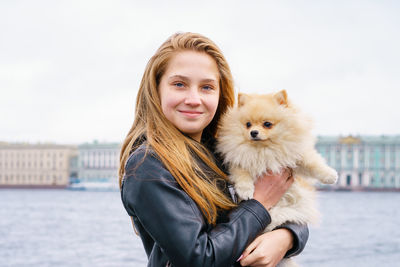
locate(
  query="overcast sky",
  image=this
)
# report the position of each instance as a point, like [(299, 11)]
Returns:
[(70, 70)]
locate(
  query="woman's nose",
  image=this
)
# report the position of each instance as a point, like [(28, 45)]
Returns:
[(193, 98)]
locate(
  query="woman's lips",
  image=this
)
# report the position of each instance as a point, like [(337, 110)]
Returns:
[(191, 113)]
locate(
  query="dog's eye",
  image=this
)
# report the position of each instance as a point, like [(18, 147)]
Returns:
[(248, 124), (267, 124)]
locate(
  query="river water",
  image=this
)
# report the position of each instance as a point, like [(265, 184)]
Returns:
[(77, 228)]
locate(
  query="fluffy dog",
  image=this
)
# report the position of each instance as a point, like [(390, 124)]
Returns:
[(269, 133)]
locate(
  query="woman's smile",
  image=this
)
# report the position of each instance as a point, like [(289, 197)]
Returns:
[(190, 113)]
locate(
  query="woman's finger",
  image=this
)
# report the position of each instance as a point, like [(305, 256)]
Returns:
[(250, 248), (253, 257)]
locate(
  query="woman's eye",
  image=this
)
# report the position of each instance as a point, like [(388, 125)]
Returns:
[(207, 87), (267, 124), (178, 84), (248, 124)]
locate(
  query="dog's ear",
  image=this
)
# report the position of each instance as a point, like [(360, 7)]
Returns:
[(242, 98), (281, 98)]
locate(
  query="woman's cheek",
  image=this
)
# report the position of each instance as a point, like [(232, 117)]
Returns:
[(214, 106), (169, 100)]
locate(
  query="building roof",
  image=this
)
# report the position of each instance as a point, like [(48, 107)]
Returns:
[(96, 145), (5, 145), (359, 139)]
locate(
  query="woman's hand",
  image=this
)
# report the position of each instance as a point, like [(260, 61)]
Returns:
[(270, 187), (268, 249)]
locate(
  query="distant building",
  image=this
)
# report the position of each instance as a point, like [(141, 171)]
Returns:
[(98, 162), (363, 161), (371, 162), (35, 165)]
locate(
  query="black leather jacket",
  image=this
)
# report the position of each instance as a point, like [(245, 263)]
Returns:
[(173, 229)]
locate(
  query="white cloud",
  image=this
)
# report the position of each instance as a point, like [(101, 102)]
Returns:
[(69, 71)]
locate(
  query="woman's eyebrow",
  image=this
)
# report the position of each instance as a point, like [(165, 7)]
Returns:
[(209, 81), (186, 79), (179, 77)]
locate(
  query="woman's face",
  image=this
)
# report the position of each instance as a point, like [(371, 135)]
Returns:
[(189, 92)]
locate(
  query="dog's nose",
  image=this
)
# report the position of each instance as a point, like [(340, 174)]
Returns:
[(254, 134)]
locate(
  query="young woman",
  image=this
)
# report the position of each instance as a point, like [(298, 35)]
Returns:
[(173, 185)]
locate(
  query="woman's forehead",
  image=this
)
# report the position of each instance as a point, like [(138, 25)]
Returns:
[(192, 64)]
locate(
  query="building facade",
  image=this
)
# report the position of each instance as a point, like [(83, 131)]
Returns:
[(35, 165), (363, 161), (98, 162)]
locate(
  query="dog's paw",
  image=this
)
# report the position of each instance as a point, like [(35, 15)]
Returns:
[(329, 176), (245, 191)]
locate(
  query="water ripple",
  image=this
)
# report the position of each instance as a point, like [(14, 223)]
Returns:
[(75, 228)]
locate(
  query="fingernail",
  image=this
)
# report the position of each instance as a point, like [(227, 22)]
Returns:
[(241, 256)]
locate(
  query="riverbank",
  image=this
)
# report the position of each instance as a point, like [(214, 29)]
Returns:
[(359, 189), (113, 187)]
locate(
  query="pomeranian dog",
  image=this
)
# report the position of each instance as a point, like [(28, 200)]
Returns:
[(268, 133)]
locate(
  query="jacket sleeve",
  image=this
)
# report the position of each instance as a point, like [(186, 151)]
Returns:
[(300, 237), (175, 222)]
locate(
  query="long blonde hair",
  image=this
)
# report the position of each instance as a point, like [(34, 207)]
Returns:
[(175, 150)]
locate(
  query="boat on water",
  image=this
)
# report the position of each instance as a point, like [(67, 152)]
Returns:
[(103, 184)]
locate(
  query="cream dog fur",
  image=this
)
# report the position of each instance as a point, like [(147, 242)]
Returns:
[(269, 133)]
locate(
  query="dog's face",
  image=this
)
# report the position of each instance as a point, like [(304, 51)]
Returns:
[(259, 130), (262, 116)]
